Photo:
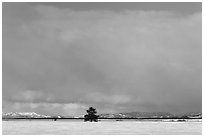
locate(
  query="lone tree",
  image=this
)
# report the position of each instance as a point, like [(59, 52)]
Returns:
[(91, 116)]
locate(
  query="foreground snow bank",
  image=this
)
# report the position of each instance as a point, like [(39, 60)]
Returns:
[(100, 128)]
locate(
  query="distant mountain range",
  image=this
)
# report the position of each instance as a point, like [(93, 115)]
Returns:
[(139, 115), (151, 115), (115, 115), (23, 115)]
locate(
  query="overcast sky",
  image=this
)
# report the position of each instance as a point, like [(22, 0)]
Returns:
[(61, 58)]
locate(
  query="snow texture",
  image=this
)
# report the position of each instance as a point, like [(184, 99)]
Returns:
[(106, 127)]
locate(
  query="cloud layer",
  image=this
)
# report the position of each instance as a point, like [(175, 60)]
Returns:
[(67, 60)]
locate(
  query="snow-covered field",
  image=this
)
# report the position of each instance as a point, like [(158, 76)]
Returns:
[(100, 128)]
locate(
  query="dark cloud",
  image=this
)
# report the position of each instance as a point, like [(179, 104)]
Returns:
[(179, 7), (116, 61)]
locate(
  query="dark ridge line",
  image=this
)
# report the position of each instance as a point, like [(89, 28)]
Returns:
[(104, 118)]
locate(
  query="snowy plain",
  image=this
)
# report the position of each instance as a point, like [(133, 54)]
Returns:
[(79, 127)]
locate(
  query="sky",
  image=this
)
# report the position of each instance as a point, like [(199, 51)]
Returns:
[(62, 58)]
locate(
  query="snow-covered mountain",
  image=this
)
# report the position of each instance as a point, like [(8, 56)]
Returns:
[(151, 115), (193, 115), (138, 115), (23, 115), (115, 115)]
